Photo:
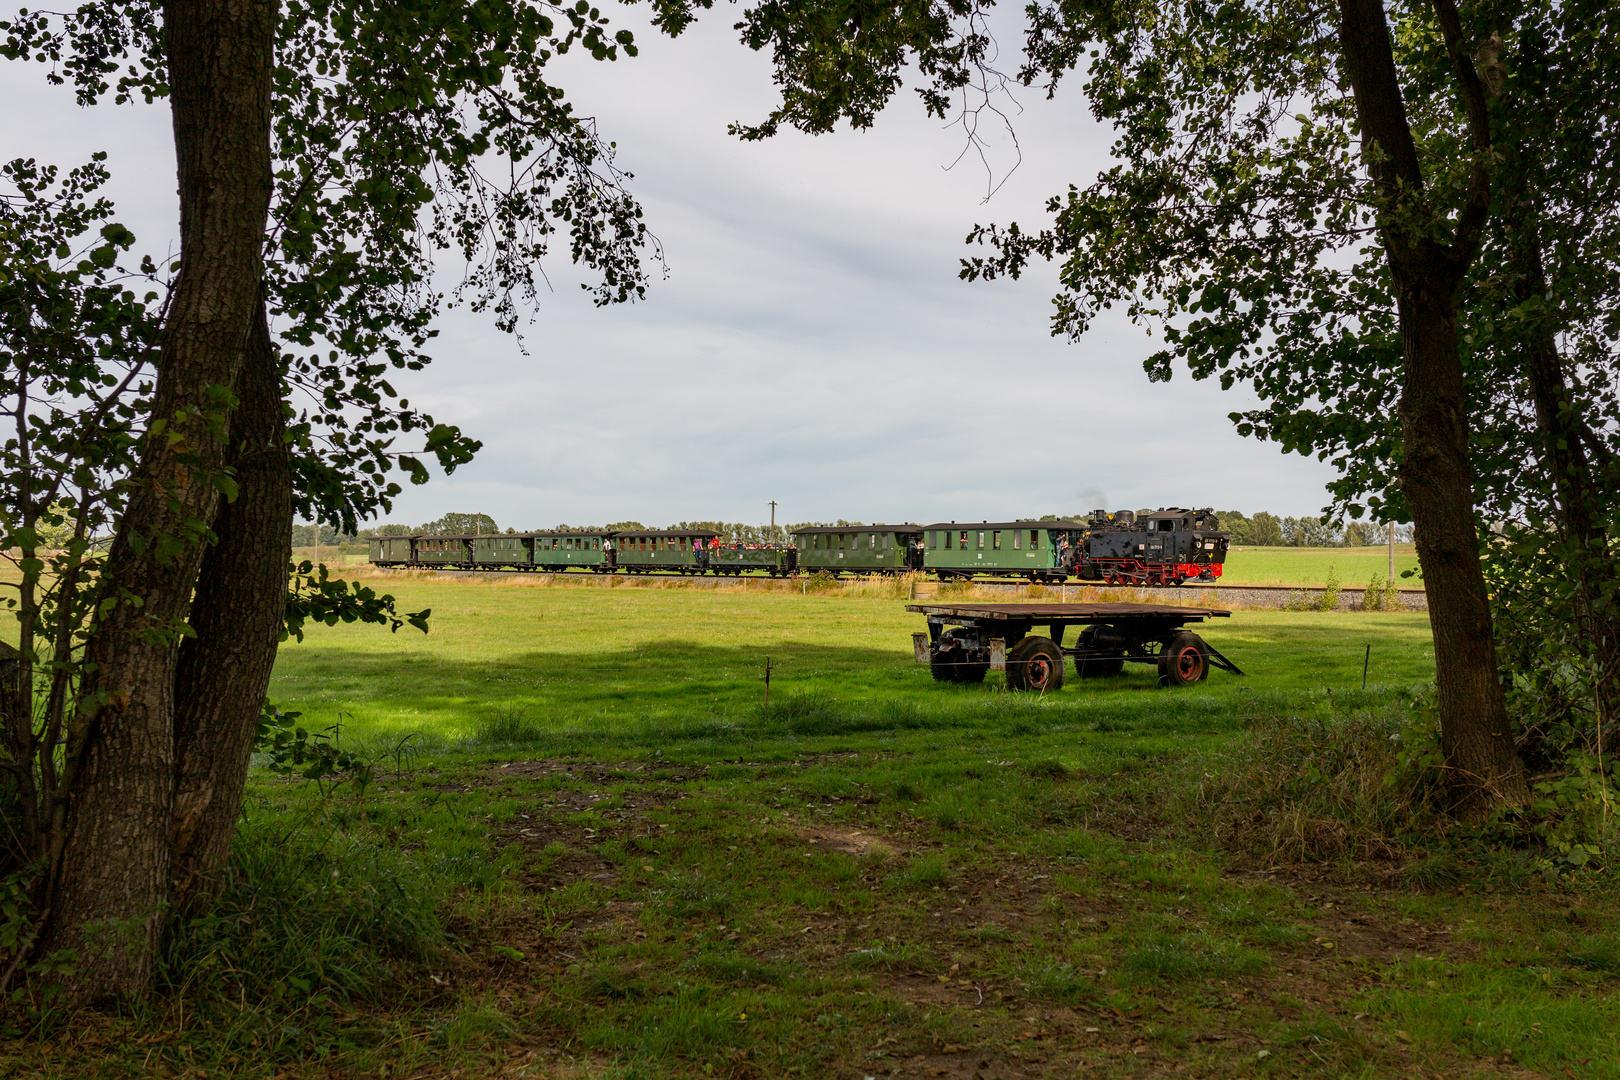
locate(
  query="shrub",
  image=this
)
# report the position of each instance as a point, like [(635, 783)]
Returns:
[(1309, 787), (1380, 595), (822, 582), (1329, 600), (300, 916)]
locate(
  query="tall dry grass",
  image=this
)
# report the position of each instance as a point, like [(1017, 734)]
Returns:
[(1307, 786), (906, 586)]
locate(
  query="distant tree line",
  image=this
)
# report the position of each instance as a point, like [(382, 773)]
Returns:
[(1268, 530), (324, 535)]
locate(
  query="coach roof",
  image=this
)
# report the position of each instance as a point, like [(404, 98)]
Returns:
[(980, 526)]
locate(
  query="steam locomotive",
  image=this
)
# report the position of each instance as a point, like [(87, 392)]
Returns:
[(1165, 547), (1159, 547)]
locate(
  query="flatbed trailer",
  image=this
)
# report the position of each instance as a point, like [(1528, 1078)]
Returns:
[(965, 641)]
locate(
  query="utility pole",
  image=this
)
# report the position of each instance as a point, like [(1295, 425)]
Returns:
[(773, 521)]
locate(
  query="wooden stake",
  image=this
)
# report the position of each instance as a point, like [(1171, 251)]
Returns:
[(767, 681), (1365, 659)]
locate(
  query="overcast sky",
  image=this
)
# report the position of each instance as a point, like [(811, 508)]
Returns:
[(812, 343)]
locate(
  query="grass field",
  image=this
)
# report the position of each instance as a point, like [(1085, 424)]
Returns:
[(590, 849), (598, 660), (1310, 566)]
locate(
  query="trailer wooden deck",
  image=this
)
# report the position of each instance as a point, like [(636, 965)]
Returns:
[(1070, 613)]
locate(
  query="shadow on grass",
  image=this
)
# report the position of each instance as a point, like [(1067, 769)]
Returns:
[(673, 691)]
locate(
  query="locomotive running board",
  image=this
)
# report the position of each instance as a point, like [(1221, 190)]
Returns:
[(1220, 661)]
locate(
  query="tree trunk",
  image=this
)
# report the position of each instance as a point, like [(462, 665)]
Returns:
[(1435, 475), (238, 611), (110, 885), (1438, 484)]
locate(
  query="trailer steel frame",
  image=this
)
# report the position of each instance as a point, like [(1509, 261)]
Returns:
[(965, 641)]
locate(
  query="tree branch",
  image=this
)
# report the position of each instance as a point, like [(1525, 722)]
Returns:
[(1476, 209)]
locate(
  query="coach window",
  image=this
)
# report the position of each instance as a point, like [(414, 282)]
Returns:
[(961, 542), (981, 540), (995, 540), (1034, 539), (1018, 539)]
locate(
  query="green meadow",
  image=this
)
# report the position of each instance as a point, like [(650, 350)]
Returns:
[(586, 661), (1311, 566), (586, 846)]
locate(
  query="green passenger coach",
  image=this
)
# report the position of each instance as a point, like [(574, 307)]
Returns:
[(741, 558), (444, 551), (659, 549), (557, 551), (510, 549), (859, 549), (391, 550), (1032, 549)]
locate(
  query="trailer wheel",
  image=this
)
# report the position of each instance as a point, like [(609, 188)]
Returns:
[(950, 663), (949, 666), (1183, 661), (1035, 663), (1095, 667)]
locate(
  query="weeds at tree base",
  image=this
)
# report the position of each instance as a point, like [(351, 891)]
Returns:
[(1320, 784), (304, 913)]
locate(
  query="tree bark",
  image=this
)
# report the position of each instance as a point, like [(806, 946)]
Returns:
[(110, 883), (1435, 475), (237, 612), (1437, 481)]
